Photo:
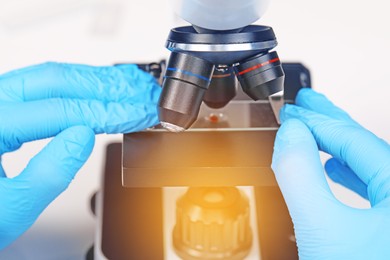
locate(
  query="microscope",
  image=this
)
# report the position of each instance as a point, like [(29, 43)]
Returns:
[(200, 184)]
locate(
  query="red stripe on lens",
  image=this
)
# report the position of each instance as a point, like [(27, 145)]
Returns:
[(257, 66), (222, 76)]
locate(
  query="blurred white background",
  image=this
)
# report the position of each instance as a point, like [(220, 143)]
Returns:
[(345, 44)]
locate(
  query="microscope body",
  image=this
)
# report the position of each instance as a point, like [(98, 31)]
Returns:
[(208, 192)]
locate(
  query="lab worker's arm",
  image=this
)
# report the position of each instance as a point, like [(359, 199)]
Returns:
[(72, 103), (324, 227)]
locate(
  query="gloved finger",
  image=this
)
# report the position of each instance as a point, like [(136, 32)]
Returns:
[(2, 172), (45, 118), (365, 154), (125, 83), (340, 173), (49, 173), (314, 101), (300, 174)]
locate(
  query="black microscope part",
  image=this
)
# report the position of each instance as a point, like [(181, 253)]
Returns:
[(297, 76), (222, 88), (187, 39), (154, 68), (249, 34), (261, 75), (185, 83)]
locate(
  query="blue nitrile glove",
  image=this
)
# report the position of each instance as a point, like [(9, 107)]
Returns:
[(70, 102), (324, 227)]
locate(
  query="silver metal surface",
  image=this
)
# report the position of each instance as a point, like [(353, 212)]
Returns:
[(172, 128), (221, 47)]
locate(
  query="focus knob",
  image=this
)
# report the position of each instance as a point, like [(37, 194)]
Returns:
[(212, 223)]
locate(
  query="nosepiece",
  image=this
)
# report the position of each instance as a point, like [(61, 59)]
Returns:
[(185, 82)]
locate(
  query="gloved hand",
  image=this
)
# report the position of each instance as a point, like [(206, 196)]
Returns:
[(70, 102), (324, 227)]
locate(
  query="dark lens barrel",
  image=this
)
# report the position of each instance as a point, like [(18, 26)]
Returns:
[(261, 76), (185, 83), (222, 88)]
